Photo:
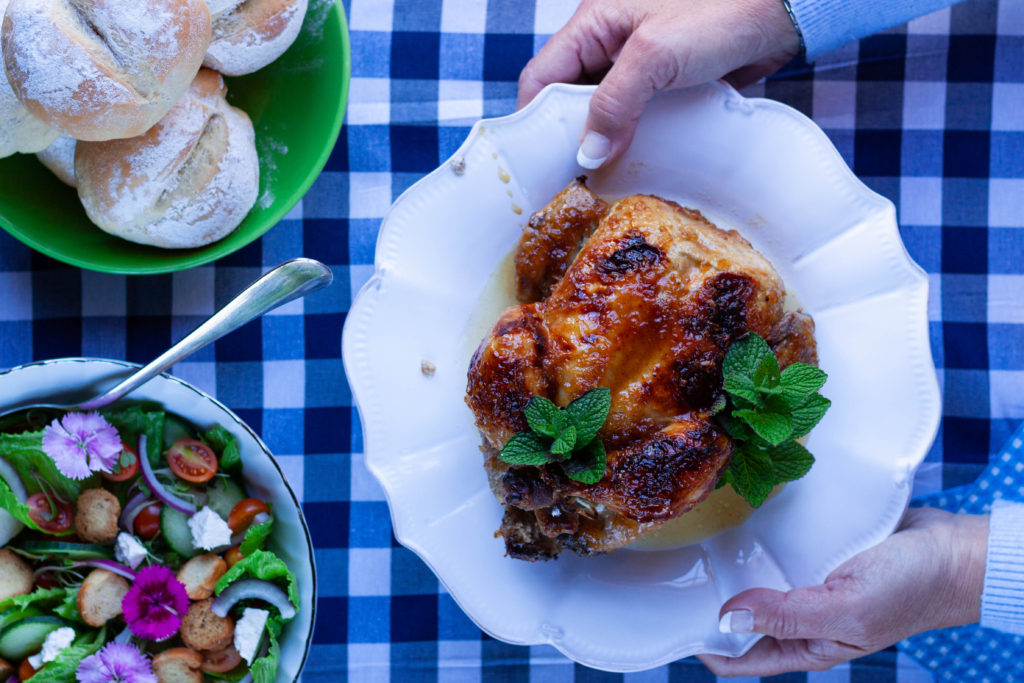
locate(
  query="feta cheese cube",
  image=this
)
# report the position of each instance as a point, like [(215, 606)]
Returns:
[(128, 550), (55, 643), (209, 531), (248, 631)]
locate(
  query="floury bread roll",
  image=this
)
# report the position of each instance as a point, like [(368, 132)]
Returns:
[(189, 181), (60, 159), (103, 69), (249, 34), (20, 131)]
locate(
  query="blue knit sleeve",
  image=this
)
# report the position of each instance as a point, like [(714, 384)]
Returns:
[(1002, 603), (827, 24)]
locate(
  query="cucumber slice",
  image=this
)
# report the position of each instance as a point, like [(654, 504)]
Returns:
[(175, 428), (16, 615), (27, 636), (174, 527), (70, 551), (222, 494)]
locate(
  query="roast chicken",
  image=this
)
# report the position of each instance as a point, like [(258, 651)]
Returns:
[(643, 297)]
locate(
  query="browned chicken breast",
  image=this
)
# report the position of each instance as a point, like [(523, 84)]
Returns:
[(643, 297)]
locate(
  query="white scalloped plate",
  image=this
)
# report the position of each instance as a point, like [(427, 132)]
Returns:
[(750, 164), (77, 378)]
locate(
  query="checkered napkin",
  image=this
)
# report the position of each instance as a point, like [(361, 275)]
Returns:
[(974, 653)]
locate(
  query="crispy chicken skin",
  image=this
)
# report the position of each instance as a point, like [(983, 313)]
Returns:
[(648, 308)]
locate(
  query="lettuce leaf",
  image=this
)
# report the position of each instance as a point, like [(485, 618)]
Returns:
[(40, 595), (256, 537), (137, 420), (264, 669), (265, 565), (68, 608), (25, 453), (62, 669), (225, 445)]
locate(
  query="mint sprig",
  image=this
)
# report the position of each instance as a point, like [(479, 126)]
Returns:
[(567, 436), (766, 411)]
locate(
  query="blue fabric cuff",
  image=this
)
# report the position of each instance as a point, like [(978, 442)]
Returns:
[(827, 24)]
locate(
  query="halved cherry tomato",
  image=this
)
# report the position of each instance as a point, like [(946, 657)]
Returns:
[(241, 515), (26, 670), (192, 460), (147, 522), (123, 471), (54, 520), (220, 661), (233, 555)]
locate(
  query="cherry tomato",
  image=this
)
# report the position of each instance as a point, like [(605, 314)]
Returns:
[(233, 555), (192, 460), (49, 520), (122, 471), (147, 522), (46, 580), (241, 515), (220, 661), (26, 670)]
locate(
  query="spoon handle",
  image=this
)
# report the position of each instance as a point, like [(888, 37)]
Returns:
[(290, 280)]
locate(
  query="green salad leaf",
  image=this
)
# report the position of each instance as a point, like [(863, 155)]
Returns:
[(265, 565), (39, 595), (25, 453), (264, 669), (137, 420), (225, 445), (62, 669), (765, 413), (256, 537), (68, 608)]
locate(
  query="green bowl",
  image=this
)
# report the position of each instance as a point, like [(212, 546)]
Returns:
[(296, 104)]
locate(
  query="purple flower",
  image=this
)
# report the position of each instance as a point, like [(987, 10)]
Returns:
[(82, 443), (116, 663), (155, 603)]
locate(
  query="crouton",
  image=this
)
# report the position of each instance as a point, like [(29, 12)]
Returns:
[(200, 575), (96, 516), (15, 575), (99, 598), (178, 665), (6, 669), (201, 629)]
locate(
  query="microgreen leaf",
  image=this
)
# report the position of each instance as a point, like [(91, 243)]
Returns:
[(772, 427), (745, 355), (790, 461), (588, 413), (751, 474), (525, 448), (808, 414), (587, 465), (565, 442), (544, 417)]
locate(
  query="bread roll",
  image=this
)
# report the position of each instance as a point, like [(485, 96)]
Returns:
[(103, 69), (250, 34), (20, 131), (189, 181), (60, 158)]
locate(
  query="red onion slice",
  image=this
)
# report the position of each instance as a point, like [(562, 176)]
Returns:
[(158, 489), (256, 589), (132, 509), (109, 565)]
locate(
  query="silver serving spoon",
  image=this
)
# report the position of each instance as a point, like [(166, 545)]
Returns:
[(289, 281)]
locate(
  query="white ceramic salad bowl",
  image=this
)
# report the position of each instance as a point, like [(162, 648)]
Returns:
[(750, 164), (264, 479)]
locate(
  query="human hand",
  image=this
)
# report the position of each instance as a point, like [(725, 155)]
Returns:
[(642, 46), (929, 574)]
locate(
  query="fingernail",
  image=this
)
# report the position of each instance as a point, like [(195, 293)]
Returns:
[(594, 150), (737, 621)]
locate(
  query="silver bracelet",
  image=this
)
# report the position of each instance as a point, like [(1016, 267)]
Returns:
[(792, 17)]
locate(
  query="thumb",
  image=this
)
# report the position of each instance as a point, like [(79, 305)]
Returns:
[(817, 612), (620, 99)]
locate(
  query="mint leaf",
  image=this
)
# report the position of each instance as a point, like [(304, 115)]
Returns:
[(745, 355), (525, 448), (741, 385), (808, 414), (718, 405), (565, 442), (790, 461), (767, 373), (751, 474), (588, 413), (799, 381), (735, 428), (587, 466), (772, 427), (544, 417)]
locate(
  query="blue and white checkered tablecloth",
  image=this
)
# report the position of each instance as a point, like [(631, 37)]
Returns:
[(930, 115)]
